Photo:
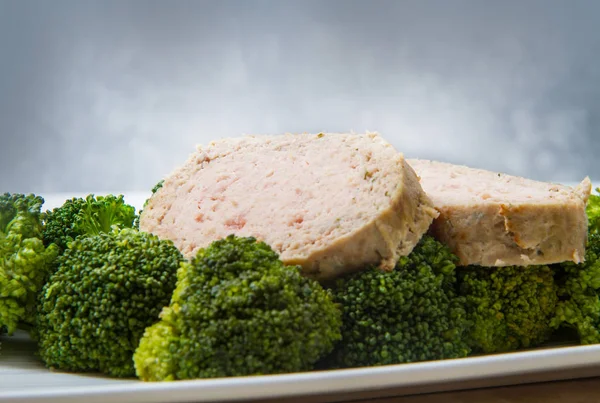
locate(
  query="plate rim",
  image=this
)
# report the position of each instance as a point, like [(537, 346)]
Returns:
[(321, 382)]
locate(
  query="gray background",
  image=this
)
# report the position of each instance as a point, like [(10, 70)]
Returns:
[(97, 96)]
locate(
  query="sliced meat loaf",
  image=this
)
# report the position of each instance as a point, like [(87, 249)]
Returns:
[(331, 203), (493, 219)]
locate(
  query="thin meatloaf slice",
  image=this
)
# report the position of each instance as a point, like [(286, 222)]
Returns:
[(330, 203), (493, 219)]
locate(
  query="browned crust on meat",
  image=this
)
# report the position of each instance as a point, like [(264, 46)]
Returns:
[(521, 234), (380, 242)]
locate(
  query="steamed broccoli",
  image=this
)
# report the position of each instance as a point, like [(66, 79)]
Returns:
[(237, 310), (579, 292), (158, 186), (509, 307), (409, 314), (593, 213), (89, 216), (579, 285), (24, 261), (106, 290)]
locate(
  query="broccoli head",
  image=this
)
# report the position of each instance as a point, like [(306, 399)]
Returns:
[(105, 291), (408, 314), (90, 216), (579, 286), (237, 310), (24, 261), (592, 210), (578, 308), (509, 307)]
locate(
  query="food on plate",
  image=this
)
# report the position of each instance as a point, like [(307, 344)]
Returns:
[(89, 216), (579, 287), (506, 229), (508, 307), (278, 254), (331, 203), (24, 260), (593, 212), (105, 291), (410, 314), (238, 310), (493, 219)]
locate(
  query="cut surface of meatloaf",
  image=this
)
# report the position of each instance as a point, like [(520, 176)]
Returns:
[(329, 202), (493, 219)]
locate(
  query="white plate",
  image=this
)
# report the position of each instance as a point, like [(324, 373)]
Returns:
[(24, 379)]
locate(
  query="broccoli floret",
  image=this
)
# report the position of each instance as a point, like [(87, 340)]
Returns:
[(24, 261), (158, 186), (592, 210), (579, 285), (579, 289), (59, 223), (89, 216), (237, 310), (408, 314), (509, 307), (105, 291)]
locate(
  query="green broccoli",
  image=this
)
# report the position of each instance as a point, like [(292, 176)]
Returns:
[(89, 216), (237, 310), (105, 291), (24, 261), (579, 285), (579, 289), (158, 186), (409, 314), (509, 307), (593, 212)]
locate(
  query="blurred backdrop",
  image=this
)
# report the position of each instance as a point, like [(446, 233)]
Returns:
[(104, 95)]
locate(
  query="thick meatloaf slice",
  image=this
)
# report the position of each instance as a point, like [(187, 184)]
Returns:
[(493, 219), (331, 203)]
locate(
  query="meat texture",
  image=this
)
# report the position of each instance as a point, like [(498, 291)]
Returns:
[(493, 219), (331, 203)]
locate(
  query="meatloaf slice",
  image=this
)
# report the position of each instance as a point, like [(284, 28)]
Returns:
[(330, 203), (493, 219)]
